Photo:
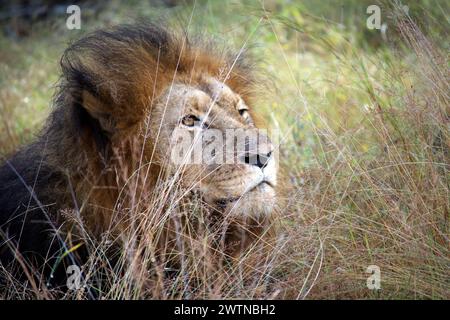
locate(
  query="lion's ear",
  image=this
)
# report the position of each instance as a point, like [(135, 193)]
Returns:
[(100, 111)]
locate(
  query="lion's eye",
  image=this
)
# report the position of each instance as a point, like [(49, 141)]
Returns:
[(190, 120), (244, 113)]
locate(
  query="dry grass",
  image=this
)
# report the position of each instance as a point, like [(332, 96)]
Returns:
[(366, 155)]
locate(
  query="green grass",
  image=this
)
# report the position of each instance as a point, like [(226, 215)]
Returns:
[(365, 133)]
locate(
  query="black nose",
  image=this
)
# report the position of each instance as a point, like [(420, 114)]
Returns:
[(259, 160)]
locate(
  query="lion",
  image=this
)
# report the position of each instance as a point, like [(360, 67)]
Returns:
[(102, 163)]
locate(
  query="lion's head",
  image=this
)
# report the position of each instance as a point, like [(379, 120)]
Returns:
[(128, 93)]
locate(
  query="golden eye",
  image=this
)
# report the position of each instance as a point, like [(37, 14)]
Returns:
[(244, 113), (190, 120)]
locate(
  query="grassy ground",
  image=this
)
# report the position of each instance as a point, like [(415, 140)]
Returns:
[(365, 132)]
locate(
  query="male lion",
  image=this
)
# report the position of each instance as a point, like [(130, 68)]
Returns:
[(102, 164)]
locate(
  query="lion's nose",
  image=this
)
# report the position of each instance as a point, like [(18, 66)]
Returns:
[(260, 160)]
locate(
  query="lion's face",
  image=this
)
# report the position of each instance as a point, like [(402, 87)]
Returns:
[(240, 177)]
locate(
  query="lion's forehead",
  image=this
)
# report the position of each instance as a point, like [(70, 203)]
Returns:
[(221, 92), (210, 96)]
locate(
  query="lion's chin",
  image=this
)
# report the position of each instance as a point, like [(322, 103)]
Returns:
[(257, 203)]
